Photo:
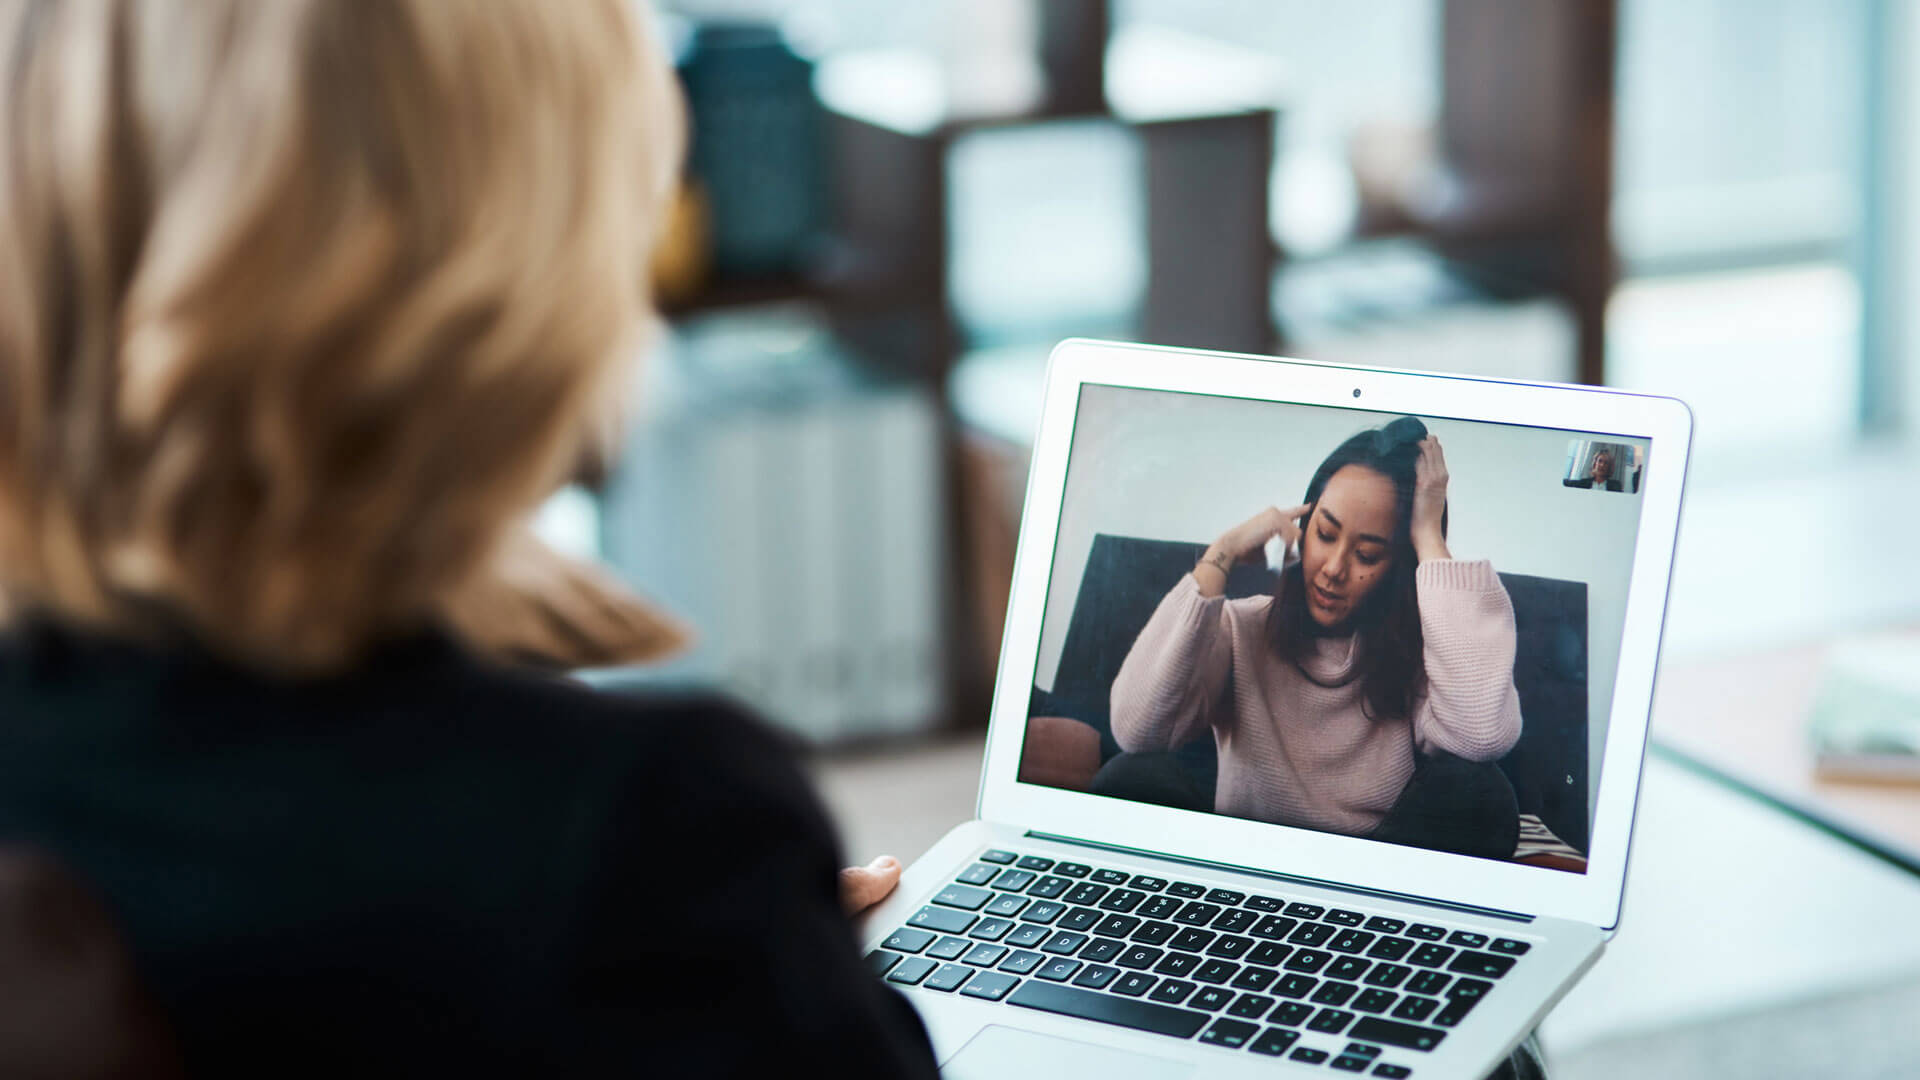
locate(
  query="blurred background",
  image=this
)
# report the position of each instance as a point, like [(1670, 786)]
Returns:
[(892, 211)]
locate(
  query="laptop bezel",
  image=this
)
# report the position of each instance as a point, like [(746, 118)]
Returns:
[(1593, 897)]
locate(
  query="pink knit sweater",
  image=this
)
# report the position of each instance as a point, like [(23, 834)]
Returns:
[(1297, 753)]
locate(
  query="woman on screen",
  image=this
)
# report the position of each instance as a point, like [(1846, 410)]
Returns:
[(1368, 694)]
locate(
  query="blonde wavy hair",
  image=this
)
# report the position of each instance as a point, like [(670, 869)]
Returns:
[(304, 304)]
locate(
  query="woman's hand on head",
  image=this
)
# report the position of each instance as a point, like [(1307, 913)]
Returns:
[(1244, 541), (863, 887), (1430, 502)]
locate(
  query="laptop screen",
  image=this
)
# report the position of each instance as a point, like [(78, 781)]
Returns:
[(1404, 629)]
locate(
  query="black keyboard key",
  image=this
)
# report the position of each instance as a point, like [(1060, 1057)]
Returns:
[(1455, 1011), (1350, 941), (1086, 894), (1191, 940), (1426, 932), (1349, 968), (1216, 971), (1227, 897), (1308, 1055), (1250, 1006), (1109, 877), (1362, 1050), (1008, 906), (1290, 1013), (945, 920), (1384, 925), (1139, 957), (1485, 965), (1160, 907), (1393, 1033), (1232, 1034), (1035, 862), (1295, 986), (1315, 933), (1102, 950), (1429, 983), (1506, 946), (1186, 890), (1044, 912), (1391, 948), (978, 874), (1469, 988), (1014, 880), (1330, 1021), (1343, 917), (1392, 1072), (1154, 933), (950, 977), (1109, 1009), (880, 960), (1210, 998), (910, 971), (1028, 935), (1375, 1001), (1308, 960), (1467, 940), (1147, 884), (1265, 903), (1197, 914), (1230, 946), (984, 955), (1117, 925), (1021, 962), (1080, 918), (990, 985), (1388, 975), (1072, 869), (1173, 991), (1429, 955), (1273, 927), (1235, 921), (1274, 1041), (1133, 984), (1254, 978), (1050, 886), (1058, 970), (909, 940), (949, 948), (1179, 965), (1270, 953), (1122, 900), (1096, 976), (990, 929), (1064, 943), (1306, 911), (1415, 1008), (1349, 1063), (995, 855), (1333, 993)]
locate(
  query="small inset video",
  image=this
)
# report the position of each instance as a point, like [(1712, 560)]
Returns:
[(1593, 465)]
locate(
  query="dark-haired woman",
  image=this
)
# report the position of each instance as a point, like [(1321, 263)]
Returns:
[(1367, 694)]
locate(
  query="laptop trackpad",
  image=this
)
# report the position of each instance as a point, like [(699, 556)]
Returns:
[(1000, 1052)]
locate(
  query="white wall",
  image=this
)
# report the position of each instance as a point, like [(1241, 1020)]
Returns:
[(1170, 466)]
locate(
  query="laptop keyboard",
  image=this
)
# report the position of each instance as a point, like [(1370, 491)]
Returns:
[(1359, 992)]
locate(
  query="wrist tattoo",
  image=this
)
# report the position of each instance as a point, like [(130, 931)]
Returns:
[(1219, 561)]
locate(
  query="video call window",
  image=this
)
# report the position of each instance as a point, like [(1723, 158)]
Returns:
[(1390, 627)]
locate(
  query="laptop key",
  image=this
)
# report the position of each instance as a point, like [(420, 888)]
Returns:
[(1308, 1055), (1454, 1011), (1022, 962), (1429, 955), (984, 955), (1173, 991), (1210, 998), (1306, 911), (1179, 964), (1050, 886), (1064, 943), (1225, 896), (1186, 890), (1509, 947), (1429, 983), (880, 960), (1415, 1008), (1469, 988), (1109, 1009), (1044, 912), (1295, 986), (1232, 1034), (1393, 1033), (1236, 921), (1102, 950), (1160, 907), (1350, 941), (964, 897), (1486, 965), (1122, 900), (1387, 975), (1197, 914), (1290, 1013), (1014, 880), (1269, 953), (1273, 927), (1467, 940), (1384, 925), (1392, 1072), (1426, 931), (978, 874), (1390, 948), (1349, 1063), (949, 948), (1148, 884), (1230, 947), (1265, 903), (1254, 978), (1008, 905), (949, 978), (1035, 862), (1154, 933), (1139, 956), (1343, 917), (910, 971), (1109, 877), (909, 941), (1133, 984), (1274, 1041), (1191, 940), (1362, 1050), (1086, 894), (1216, 971), (1330, 1021), (1117, 925), (990, 929), (1080, 918), (1028, 935), (1349, 968), (1375, 1001), (1096, 976), (995, 855), (1250, 1006), (945, 920), (1072, 869), (1333, 993), (1311, 934), (991, 985), (1308, 960), (1058, 970)]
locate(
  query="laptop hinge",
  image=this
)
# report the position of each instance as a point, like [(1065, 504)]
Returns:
[(1300, 879)]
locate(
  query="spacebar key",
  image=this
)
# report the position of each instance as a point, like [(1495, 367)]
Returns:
[(1126, 1012)]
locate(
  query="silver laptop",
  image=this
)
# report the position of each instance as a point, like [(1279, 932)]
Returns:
[(1350, 794)]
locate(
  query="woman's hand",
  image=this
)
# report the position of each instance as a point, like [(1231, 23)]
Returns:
[(1245, 540), (862, 887), (1430, 501)]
